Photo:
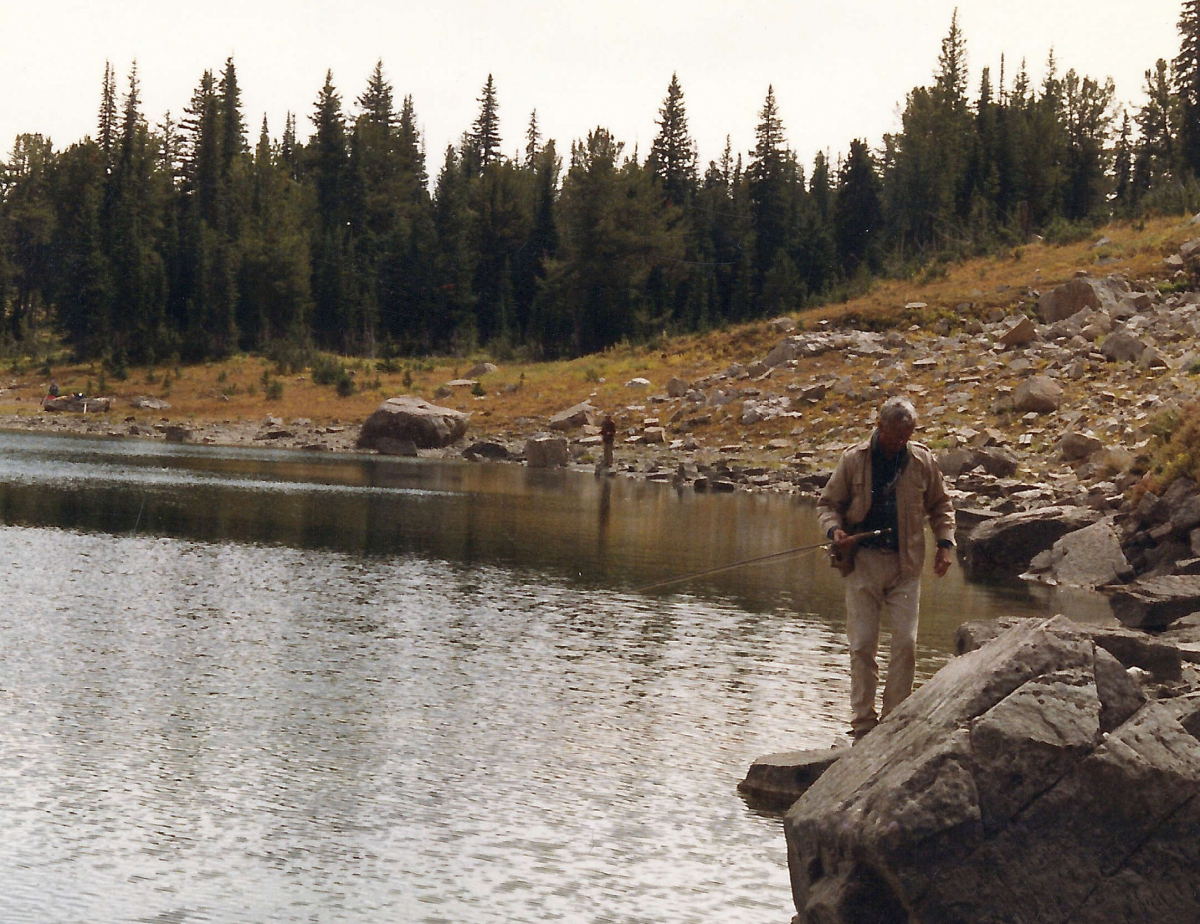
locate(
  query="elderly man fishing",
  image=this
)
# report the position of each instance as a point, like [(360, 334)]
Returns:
[(890, 486)]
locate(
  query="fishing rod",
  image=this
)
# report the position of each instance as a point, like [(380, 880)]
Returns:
[(754, 561)]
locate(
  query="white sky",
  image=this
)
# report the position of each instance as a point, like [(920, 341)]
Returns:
[(840, 68)]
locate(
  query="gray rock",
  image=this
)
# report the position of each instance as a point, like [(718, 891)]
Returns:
[(546, 451), (1185, 515), (1018, 330), (574, 417), (480, 369), (495, 452), (677, 388), (146, 402), (1132, 648), (996, 461), (1006, 545), (1121, 346), (426, 425), (1078, 447), (993, 795), (1156, 602), (775, 781), (781, 353), (1039, 394), (1078, 294), (953, 462), (781, 325), (1088, 557)]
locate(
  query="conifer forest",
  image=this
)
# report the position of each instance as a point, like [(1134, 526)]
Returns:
[(203, 235)]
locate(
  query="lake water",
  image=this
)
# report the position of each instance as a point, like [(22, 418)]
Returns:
[(254, 686)]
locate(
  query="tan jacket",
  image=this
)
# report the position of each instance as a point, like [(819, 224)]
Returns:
[(920, 495)]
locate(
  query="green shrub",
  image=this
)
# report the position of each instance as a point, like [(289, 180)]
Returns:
[(274, 390), (345, 385), (327, 370), (291, 354)]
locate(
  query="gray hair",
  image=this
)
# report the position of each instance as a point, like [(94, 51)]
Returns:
[(897, 411)]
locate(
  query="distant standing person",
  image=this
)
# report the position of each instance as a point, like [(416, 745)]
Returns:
[(608, 435), (886, 483)]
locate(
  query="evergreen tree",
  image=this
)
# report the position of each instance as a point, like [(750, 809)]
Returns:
[(233, 126), (452, 322), (274, 282), (139, 292), (615, 248), (1123, 195), (107, 134), (858, 215), (83, 277), (673, 154), (1187, 84), (202, 149), (376, 101), (820, 190), (530, 260), (1088, 118), (483, 145), (771, 199), (27, 232), (533, 139), (333, 275), (1155, 159)]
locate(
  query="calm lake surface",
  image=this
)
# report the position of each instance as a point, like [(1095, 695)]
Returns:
[(257, 686)]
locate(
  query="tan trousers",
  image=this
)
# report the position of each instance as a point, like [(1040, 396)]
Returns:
[(874, 590)]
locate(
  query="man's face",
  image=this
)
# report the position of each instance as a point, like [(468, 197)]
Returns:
[(894, 435)]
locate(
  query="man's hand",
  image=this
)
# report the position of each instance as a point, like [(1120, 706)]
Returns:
[(843, 541), (942, 561)]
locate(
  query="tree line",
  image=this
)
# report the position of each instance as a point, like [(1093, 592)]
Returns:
[(183, 239)]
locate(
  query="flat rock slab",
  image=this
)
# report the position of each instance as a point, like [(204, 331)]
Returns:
[(1155, 603), (775, 781)]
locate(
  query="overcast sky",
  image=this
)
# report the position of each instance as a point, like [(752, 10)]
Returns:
[(840, 68)]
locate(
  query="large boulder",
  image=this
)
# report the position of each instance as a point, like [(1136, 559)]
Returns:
[(546, 451), (1005, 545), (574, 417), (1018, 330), (1122, 346), (1078, 447), (425, 425), (1028, 781), (1038, 393), (1088, 557), (1080, 293)]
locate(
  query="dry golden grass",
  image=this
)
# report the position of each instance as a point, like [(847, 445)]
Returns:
[(519, 393)]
